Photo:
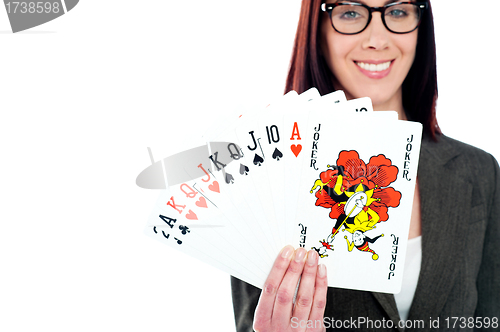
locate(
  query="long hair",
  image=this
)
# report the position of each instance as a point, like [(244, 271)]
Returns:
[(308, 67)]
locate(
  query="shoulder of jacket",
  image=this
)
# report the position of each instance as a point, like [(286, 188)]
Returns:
[(447, 148)]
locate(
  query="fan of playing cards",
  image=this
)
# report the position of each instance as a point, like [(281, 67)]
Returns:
[(318, 172)]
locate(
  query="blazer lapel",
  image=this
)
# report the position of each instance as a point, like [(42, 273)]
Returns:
[(445, 207), (443, 197), (389, 304)]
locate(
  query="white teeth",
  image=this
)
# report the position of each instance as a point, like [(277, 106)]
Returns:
[(374, 67)]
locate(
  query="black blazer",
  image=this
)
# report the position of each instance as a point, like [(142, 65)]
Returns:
[(460, 271)]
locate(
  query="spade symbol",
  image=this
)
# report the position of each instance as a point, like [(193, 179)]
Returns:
[(277, 154), (257, 160), (229, 178), (244, 169)]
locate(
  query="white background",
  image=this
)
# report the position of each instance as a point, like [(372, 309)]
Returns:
[(83, 96)]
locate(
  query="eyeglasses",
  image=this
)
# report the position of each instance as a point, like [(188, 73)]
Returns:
[(350, 18)]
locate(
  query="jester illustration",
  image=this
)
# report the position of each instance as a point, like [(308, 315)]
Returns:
[(358, 196)]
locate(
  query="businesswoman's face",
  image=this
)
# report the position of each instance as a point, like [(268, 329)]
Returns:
[(375, 61)]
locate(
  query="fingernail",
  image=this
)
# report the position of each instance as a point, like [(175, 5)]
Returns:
[(311, 257), (322, 270), (286, 251), (299, 255)]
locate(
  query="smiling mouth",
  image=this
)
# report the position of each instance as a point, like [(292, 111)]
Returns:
[(374, 67)]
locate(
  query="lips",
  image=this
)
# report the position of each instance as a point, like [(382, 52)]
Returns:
[(375, 69)]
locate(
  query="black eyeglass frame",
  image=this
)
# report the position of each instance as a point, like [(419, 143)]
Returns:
[(328, 7)]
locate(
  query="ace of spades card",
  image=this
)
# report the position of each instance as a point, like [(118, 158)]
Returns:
[(355, 199)]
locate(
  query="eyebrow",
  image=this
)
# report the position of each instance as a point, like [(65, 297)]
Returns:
[(363, 2), (346, 1)]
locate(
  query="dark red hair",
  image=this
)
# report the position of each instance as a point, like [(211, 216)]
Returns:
[(308, 67)]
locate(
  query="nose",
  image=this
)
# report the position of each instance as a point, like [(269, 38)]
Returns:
[(376, 34)]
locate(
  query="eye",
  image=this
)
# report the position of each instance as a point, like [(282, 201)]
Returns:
[(397, 13), (350, 15)]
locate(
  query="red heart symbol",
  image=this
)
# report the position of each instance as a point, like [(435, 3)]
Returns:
[(214, 186), (296, 149), (202, 202), (191, 215)]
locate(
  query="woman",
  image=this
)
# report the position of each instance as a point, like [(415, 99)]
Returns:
[(387, 52)]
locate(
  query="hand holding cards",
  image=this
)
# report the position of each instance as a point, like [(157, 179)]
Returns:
[(310, 171)]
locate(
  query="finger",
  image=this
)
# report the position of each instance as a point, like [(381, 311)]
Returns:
[(282, 311), (264, 311), (319, 300), (305, 295)]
